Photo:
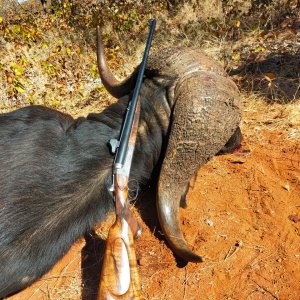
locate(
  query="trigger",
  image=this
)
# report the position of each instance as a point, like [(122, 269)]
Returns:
[(113, 145)]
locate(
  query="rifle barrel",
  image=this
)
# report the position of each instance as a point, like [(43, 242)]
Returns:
[(123, 146)]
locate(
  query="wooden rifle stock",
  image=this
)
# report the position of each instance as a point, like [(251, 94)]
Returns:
[(119, 278)]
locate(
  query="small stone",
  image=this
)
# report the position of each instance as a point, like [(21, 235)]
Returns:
[(255, 266), (224, 236), (141, 261), (209, 222), (287, 187), (294, 218), (239, 243)]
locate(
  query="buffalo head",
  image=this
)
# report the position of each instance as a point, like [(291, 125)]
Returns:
[(203, 107)]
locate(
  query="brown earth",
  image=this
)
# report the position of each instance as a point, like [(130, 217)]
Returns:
[(242, 215)]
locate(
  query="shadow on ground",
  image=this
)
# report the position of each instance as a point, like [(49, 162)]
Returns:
[(91, 265), (275, 77)]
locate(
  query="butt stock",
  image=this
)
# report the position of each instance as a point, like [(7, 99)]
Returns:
[(119, 278)]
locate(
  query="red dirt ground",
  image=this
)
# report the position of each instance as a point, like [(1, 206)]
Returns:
[(243, 216)]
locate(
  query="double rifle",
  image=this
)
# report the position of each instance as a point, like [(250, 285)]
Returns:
[(119, 278)]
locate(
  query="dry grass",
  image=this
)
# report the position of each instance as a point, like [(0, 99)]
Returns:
[(57, 71), (260, 115)]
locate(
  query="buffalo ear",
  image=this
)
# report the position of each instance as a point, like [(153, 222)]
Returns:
[(233, 143)]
